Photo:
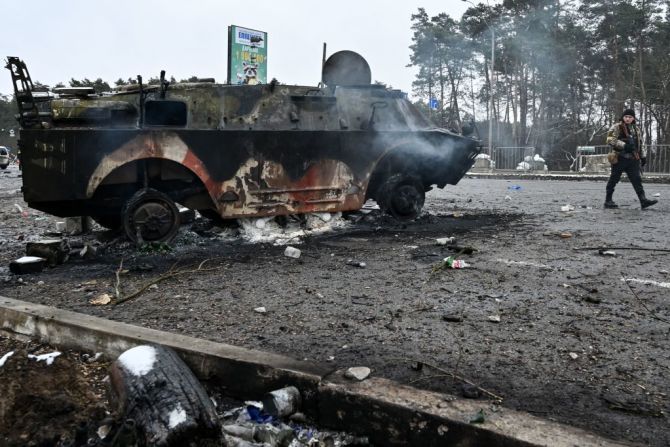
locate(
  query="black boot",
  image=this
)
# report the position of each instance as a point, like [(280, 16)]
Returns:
[(646, 203), (609, 203)]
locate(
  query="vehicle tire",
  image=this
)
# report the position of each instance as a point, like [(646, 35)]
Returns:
[(109, 221), (150, 216), (402, 196), (3, 166)]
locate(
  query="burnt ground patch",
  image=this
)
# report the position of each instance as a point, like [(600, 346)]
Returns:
[(536, 319)]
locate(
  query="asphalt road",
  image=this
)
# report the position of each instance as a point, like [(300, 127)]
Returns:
[(539, 318)]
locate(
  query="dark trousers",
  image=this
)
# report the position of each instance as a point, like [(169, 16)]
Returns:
[(632, 169)]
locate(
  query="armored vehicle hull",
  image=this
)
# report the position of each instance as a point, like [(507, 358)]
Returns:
[(229, 151)]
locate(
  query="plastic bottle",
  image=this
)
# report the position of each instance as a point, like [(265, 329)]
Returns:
[(455, 263)]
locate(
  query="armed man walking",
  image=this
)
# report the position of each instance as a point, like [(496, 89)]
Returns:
[(627, 155)]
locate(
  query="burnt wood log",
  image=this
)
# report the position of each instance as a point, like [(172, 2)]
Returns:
[(152, 386)]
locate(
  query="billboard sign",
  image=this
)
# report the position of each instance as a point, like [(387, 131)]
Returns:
[(247, 56)]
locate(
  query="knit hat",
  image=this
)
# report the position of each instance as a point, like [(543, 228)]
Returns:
[(630, 112)]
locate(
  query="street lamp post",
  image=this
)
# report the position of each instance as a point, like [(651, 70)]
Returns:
[(491, 83)]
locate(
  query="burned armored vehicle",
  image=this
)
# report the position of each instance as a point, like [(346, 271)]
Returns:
[(230, 151)]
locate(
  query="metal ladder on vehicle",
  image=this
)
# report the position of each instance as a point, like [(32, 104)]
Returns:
[(29, 114)]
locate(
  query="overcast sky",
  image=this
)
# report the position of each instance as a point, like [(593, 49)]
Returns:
[(65, 39)]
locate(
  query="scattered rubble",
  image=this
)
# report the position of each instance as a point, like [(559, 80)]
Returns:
[(27, 264), (55, 251), (292, 252), (354, 263), (359, 373), (445, 241)]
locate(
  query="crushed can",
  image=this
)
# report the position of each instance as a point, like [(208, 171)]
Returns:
[(282, 402)]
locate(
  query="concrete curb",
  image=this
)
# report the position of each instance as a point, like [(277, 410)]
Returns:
[(646, 178), (387, 412)]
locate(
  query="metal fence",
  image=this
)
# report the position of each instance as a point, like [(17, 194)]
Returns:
[(658, 158), (506, 158)]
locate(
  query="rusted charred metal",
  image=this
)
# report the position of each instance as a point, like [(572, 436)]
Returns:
[(234, 150)]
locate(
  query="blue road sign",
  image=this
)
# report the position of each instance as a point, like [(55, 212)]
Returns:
[(433, 104)]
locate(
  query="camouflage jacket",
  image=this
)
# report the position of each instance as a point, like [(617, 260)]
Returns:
[(616, 138)]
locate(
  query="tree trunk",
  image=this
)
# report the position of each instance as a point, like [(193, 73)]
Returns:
[(153, 387)]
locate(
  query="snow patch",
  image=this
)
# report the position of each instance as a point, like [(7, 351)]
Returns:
[(138, 360), (177, 416), (267, 230), (5, 357), (665, 285), (48, 358), (524, 263), (27, 259)]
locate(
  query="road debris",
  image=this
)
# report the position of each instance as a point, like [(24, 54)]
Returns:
[(479, 418), (283, 402), (292, 252), (359, 373), (55, 251), (261, 310), (88, 252), (5, 357), (606, 252), (470, 392), (171, 273), (453, 317), (27, 264), (573, 355), (46, 358), (494, 318), (445, 241), (101, 300), (567, 208), (354, 263), (450, 262)]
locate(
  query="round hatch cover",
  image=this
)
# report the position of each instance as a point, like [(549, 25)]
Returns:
[(346, 68)]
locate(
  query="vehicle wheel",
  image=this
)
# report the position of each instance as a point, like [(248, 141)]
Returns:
[(402, 196), (3, 166), (109, 221), (150, 216)]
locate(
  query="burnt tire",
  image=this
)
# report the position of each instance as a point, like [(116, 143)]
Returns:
[(150, 216), (402, 196), (109, 221)]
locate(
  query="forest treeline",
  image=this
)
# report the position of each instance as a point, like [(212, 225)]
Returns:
[(563, 72)]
